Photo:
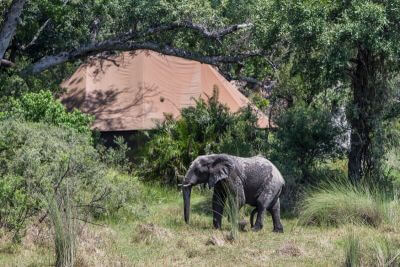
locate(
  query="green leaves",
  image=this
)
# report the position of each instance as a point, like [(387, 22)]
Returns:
[(209, 127), (42, 107)]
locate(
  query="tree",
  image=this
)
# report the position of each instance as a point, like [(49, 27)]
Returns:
[(348, 44), (51, 33)]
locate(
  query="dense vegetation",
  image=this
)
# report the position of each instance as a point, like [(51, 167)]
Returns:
[(325, 72)]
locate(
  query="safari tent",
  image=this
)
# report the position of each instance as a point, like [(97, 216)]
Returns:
[(131, 92)]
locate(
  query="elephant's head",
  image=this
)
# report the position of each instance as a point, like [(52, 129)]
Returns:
[(204, 169)]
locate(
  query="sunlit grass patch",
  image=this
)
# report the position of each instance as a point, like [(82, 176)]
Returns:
[(340, 203)]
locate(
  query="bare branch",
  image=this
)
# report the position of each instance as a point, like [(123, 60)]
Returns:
[(10, 25)]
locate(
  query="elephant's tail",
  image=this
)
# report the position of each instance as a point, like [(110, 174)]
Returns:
[(283, 189)]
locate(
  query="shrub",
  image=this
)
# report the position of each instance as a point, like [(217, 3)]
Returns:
[(42, 107), (341, 203), (116, 157), (208, 127), (306, 136), (39, 160)]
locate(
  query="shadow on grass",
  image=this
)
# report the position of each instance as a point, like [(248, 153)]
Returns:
[(202, 207)]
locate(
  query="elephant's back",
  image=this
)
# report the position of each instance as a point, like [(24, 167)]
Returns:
[(260, 172)]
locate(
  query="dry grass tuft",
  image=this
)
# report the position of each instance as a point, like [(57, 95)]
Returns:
[(289, 249), (38, 235), (150, 232)]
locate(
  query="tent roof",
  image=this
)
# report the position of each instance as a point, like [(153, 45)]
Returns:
[(134, 91)]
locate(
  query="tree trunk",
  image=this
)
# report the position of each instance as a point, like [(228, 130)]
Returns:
[(357, 117), (9, 27), (365, 114)]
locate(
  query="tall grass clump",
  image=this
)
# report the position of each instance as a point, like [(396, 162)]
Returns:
[(385, 253), (233, 214), (334, 204), (370, 251), (61, 217), (352, 249)]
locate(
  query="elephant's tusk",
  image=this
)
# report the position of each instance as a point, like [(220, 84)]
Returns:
[(186, 185)]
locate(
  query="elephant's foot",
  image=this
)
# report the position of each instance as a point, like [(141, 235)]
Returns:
[(257, 228), (278, 230), (242, 226), (217, 225)]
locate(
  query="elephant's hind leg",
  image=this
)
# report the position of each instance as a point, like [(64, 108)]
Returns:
[(275, 211), (264, 201)]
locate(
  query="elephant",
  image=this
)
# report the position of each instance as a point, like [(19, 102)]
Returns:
[(254, 181)]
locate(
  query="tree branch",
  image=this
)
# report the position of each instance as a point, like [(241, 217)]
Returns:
[(10, 25), (117, 45), (36, 36), (6, 63), (266, 86), (215, 34)]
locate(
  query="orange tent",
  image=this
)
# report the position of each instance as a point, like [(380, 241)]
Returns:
[(134, 91)]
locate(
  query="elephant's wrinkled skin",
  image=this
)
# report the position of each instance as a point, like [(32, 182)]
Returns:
[(254, 181)]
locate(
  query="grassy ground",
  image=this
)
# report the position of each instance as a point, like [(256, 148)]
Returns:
[(157, 236)]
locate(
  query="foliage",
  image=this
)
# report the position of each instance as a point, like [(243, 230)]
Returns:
[(42, 107), (330, 45), (116, 157), (341, 203), (305, 136), (209, 127), (37, 160), (124, 194)]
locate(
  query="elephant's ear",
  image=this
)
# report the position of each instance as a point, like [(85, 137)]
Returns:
[(219, 170)]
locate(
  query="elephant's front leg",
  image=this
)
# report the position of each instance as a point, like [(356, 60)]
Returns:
[(218, 202)]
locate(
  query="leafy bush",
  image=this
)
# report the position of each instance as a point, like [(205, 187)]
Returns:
[(42, 107), (124, 194), (116, 157), (38, 161), (341, 203), (208, 127), (306, 136)]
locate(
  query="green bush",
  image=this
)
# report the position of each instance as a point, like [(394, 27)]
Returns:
[(42, 107), (116, 157), (340, 203), (206, 128), (39, 160), (306, 136)]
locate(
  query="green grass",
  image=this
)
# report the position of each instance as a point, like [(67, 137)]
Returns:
[(157, 235), (352, 250), (341, 203)]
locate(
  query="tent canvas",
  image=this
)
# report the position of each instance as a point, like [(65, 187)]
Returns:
[(134, 91)]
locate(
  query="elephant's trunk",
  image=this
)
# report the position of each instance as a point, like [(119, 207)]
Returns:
[(186, 189)]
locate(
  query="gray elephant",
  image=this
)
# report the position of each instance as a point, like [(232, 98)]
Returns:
[(254, 181)]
